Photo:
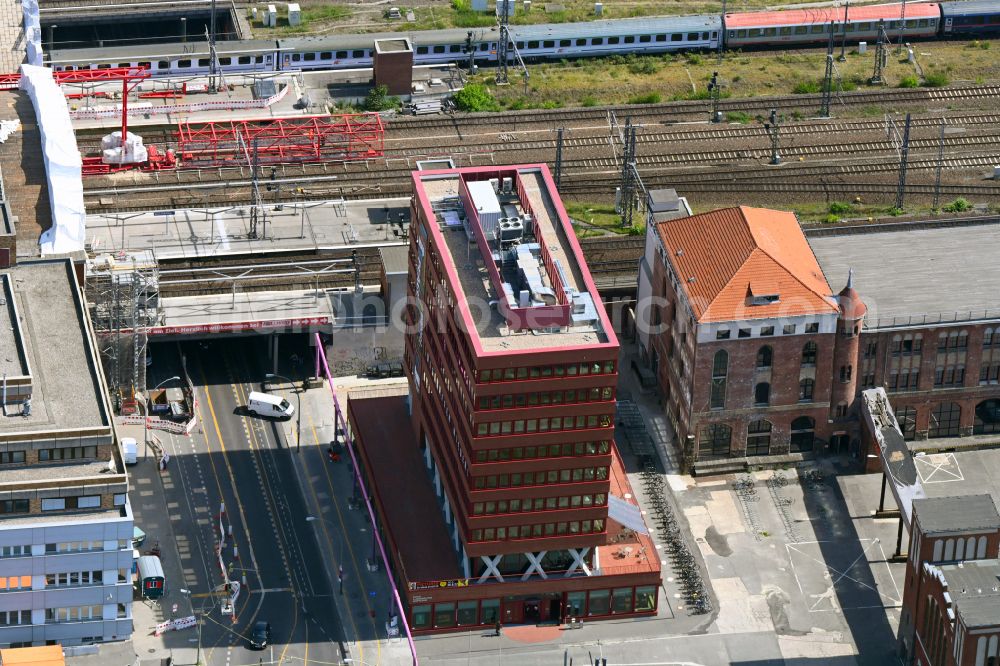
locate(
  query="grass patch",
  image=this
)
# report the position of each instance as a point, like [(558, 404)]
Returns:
[(738, 117), (807, 87), (638, 79), (648, 98), (936, 80), (595, 218)]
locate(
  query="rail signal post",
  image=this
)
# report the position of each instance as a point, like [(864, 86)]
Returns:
[(772, 129), (715, 90)]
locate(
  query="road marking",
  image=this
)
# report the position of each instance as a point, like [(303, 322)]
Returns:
[(235, 490), (258, 462)]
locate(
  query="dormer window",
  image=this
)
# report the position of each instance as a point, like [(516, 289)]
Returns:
[(762, 292)]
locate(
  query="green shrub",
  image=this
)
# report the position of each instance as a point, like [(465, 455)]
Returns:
[(378, 99), (475, 97), (839, 207), (552, 104), (936, 80), (959, 205), (693, 58), (807, 87), (738, 117), (589, 100), (648, 98), (517, 104), (644, 66), (830, 219), (895, 212), (909, 82)]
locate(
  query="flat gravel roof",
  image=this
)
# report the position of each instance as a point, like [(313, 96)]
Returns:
[(66, 390)]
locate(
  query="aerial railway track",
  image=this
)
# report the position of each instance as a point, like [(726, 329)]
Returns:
[(674, 111), (731, 153), (589, 176)]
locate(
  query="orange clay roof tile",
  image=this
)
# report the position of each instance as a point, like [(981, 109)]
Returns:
[(718, 255)]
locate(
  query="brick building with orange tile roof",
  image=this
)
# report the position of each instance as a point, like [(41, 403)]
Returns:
[(761, 360)]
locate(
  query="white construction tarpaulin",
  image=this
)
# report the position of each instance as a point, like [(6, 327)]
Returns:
[(63, 166), (32, 32)]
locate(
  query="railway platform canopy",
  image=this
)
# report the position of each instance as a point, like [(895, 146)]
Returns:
[(163, 101), (217, 232)]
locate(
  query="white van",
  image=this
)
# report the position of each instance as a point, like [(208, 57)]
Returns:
[(130, 450), (265, 404)]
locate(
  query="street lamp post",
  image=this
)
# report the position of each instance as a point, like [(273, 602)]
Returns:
[(298, 409), (199, 615), (145, 416), (340, 561)]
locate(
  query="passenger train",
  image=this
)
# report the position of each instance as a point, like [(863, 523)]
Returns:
[(765, 30)]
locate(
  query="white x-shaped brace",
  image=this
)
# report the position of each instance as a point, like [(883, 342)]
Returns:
[(536, 565), (578, 554), (491, 568)]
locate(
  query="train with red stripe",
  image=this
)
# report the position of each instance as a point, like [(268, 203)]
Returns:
[(650, 35)]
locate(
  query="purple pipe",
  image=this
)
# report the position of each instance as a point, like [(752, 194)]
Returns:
[(321, 354)]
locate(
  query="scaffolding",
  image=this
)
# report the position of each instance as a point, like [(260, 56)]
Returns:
[(281, 140), (123, 296)]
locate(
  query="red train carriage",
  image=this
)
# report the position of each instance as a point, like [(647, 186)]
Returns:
[(811, 26)]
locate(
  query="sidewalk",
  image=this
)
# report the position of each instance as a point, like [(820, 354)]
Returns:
[(147, 492), (344, 534), (150, 505)]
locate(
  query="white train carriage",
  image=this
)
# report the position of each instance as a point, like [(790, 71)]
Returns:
[(258, 55), (619, 36)]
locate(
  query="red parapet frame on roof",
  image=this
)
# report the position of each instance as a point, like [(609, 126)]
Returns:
[(280, 140)]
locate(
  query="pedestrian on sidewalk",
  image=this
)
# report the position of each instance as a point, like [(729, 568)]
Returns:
[(497, 628)]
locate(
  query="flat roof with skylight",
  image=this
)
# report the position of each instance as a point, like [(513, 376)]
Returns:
[(509, 248)]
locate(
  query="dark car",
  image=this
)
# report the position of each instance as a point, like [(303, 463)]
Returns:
[(260, 636)]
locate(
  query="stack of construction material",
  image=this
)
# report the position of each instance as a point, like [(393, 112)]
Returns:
[(132, 152)]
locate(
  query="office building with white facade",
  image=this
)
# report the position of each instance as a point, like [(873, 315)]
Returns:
[(65, 518)]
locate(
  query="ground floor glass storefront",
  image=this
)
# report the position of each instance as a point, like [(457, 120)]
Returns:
[(553, 607)]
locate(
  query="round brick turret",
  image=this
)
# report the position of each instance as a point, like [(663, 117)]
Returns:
[(845, 356)]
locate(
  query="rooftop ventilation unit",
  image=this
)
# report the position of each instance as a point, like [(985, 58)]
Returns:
[(508, 185), (495, 184)]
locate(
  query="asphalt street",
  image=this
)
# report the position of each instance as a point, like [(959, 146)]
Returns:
[(241, 462)]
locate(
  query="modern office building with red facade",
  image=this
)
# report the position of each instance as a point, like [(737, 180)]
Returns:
[(497, 481)]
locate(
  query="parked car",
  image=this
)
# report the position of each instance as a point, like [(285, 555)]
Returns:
[(138, 537), (260, 636)]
